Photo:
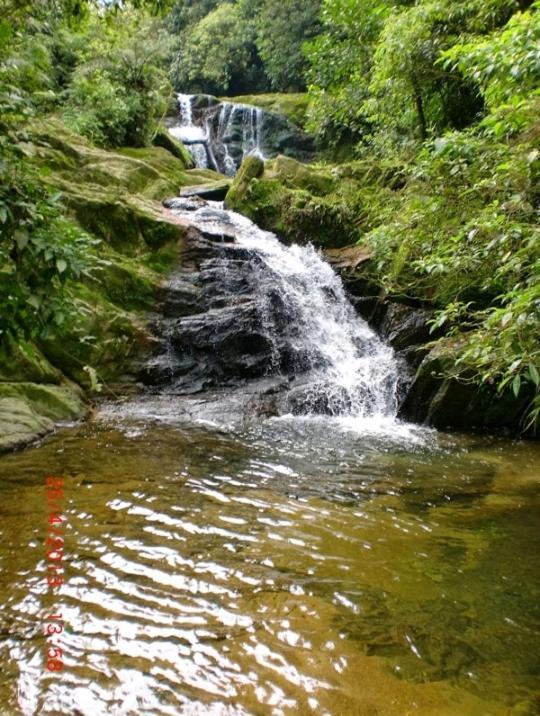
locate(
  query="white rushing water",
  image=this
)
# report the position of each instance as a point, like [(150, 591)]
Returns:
[(208, 136), (348, 369), (191, 134)]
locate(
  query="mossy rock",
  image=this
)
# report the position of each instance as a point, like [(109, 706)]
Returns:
[(296, 175), (251, 168), (216, 191), (153, 172), (24, 361), (126, 282), (292, 105), (280, 200), (128, 222), (29, 411), (109, 339), (165, 140)]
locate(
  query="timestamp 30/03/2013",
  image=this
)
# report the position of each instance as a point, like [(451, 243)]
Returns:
[(54, 545)]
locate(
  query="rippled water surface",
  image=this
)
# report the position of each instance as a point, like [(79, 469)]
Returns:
[(290, 566)]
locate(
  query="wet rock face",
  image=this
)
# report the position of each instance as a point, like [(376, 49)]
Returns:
[(244, 308), (210, 329)]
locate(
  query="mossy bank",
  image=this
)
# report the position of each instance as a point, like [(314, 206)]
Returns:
[(115, 197)]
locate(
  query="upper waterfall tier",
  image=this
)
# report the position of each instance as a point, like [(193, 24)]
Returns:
[(220, 134)]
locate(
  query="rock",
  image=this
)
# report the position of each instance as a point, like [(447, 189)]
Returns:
[(445, 402), (251, 168), (223, 133), (318, 181), (24, 361), (215, 191), (163, 138), (29, 411), (297, 202), (347, 258), (292, 105), (403, 326)]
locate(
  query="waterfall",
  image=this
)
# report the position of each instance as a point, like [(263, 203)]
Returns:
[(225, 123), (252, 131), (284, 312), (211, 131), (195, 136)]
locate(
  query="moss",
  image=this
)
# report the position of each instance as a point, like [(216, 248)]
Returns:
[(108, 339), (28, 411), (24, 361), (126, 282), (169, 173), (317, 180), (251, 168), (164, 259), (165, 140), (298, 202), (324, 221), (294, 106)]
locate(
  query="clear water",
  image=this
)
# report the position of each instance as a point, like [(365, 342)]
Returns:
[(283, 566)]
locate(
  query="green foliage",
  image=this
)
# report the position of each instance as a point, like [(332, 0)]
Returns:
[(119, 89), (280, 32), (377, 71), (340, 61), (242, 46), (215, 53), (506, 64), (40, 252)]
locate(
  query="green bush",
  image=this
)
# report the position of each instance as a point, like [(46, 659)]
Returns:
[(120, 90)]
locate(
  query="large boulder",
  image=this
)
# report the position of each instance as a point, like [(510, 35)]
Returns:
[(296, 201), (292, 105)]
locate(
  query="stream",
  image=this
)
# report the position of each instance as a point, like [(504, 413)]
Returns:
[(317, 556)]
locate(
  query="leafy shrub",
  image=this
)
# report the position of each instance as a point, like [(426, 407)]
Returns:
[(120, 89), (40, 251)]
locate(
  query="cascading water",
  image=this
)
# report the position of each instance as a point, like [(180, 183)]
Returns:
[(195, 136), (209, 132), (252, 127), (285, 311)]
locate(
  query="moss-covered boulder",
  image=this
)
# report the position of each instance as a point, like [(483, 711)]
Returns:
[(164, 139), (29, 411), (24, 361), (299, 202), (237, 197), (68, 159)]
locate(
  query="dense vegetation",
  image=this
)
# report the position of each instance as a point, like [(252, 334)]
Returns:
[(449, 92), (441, 95)]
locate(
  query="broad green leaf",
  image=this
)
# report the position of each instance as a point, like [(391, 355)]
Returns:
[(535, 375), (21, 238), (34, 301)]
